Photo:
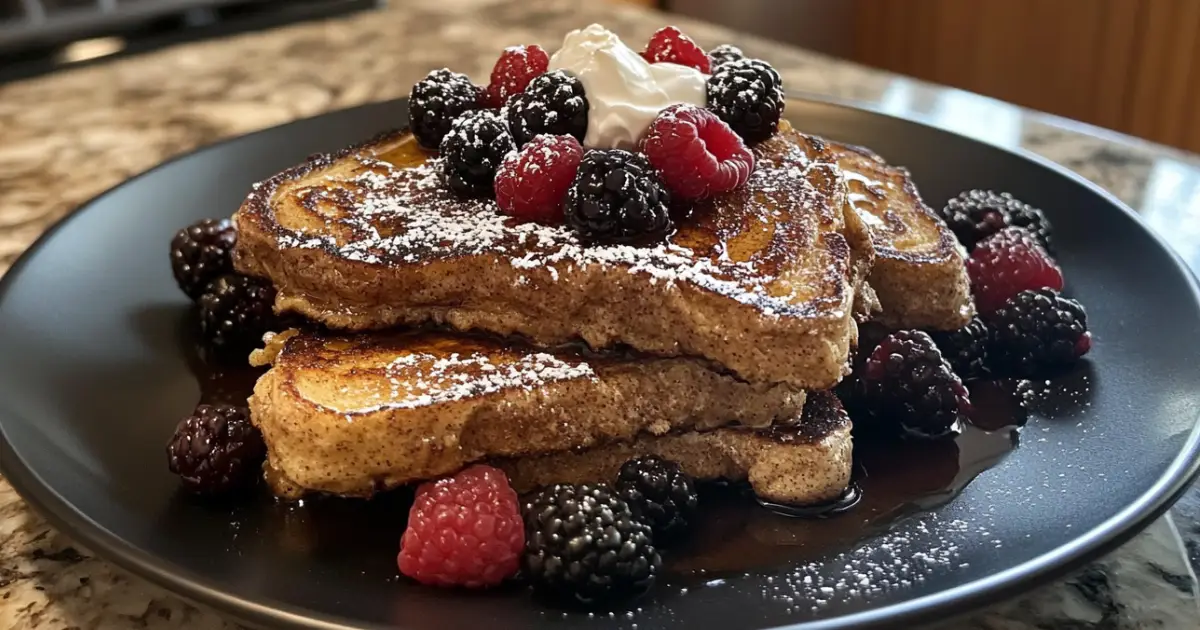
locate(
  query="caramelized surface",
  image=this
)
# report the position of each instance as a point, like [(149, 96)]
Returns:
[(919, 273), (762, 244), (398, 370), (886, 200)]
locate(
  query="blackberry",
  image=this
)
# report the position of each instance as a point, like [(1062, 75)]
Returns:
[(436, 101), (216, 449), (849, 390), (660, 494), (748, 95), (1036, 330), (977, 214), (907, 382), (583, 544), (966, 349), (472, 151), (235, 312), (553, 103), (617, 196), (201, 252), (724, 54)]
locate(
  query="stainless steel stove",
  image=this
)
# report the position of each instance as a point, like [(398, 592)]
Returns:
[(40, 35)]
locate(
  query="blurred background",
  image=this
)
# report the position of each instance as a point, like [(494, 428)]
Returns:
[(1129, 65)]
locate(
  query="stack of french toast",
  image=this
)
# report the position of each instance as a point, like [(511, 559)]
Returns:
[(605, 276), (453, 334)]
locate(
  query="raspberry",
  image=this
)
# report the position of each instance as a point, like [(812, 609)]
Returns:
[(747, 94), (1038, 329), (668, 44), (515, 68), (617, 196), (660, 494), (553, 103), (1006, 263), (436, 101), (725, 53), (464, 530), (586, 546), (473, 149), (696, 153), (216, 449), (906, 380), (202, 252), (977, 214), (531, 183)]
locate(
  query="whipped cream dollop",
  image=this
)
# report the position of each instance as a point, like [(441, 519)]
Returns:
[(624, 91)]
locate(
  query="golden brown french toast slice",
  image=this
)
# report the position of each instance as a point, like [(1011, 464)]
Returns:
[(760, 280), (809, 461), (919, 273), (355, 414)]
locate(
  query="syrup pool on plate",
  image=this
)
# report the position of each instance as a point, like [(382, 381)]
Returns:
[(733, 535)]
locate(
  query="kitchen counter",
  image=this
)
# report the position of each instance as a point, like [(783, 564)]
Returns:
[(68, 136)]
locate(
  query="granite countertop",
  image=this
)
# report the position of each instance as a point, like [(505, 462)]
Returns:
[(68, 136)]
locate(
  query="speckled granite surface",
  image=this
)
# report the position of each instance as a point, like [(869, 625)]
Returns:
[(68, 136)]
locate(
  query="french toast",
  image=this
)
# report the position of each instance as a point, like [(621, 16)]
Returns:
[(804, 462), (918, 273), (358, 413), (760, 280)]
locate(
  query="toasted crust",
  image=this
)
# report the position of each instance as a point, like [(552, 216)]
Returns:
[(759, 280), (806, 462), (919, 273), (356, 414)]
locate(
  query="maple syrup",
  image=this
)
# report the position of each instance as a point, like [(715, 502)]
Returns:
[(734, 533)]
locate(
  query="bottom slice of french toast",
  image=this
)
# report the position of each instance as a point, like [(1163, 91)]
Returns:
[(802, 462)]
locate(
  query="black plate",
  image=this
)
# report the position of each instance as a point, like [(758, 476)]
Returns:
[(93, 378)]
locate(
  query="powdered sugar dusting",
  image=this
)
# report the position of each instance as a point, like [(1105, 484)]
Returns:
[(424, 379), (881, 566), (407, 216)]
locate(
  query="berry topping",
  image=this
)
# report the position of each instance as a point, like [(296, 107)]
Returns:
[(532, 183), (436, 101), (216, 449), (553, 103), (201, 252), (660, 494), (1006, 263), (515, 68), (725, 53), (966, 349), (236, 311), (669, 45), (977, 214), (696, 153), (617, 196), (473, 149), (1038, 329), (464, 530), (907, 382), (583, 544), (747, 94)]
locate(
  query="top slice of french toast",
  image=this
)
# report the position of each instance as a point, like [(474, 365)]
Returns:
[(918, 273), (759, 280)]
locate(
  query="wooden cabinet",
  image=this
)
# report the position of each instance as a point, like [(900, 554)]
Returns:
[(1130, 65)]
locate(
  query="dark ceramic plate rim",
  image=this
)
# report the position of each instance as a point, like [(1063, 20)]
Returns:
[(954, 601)]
